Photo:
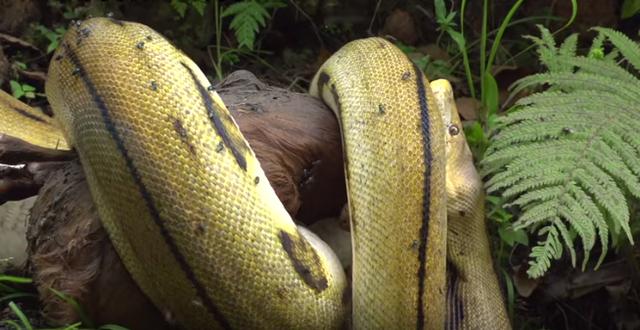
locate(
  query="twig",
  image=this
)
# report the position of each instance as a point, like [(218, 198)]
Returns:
[(373, 18), (294, 83), (313, 24)]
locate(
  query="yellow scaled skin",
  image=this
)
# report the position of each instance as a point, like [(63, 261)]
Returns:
[(26, 123), (475, 300), (202, 232), (191, 213), (395, 184)]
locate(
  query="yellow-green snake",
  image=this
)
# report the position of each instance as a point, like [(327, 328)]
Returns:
[(200, 229)]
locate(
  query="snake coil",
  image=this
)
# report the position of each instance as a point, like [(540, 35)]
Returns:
[(196, 223)]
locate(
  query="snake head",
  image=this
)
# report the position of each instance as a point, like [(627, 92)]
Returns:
[(463, 182)]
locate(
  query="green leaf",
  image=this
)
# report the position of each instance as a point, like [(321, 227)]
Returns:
[(475, 134), (458, 39), (441, 14), (511, 236), (74, 326), (52, 46), (630, 8), (53, 36), (79, 310), (568, 157), (491, 94), (249, 17), (230, 57), (14, 324), (440, 9), (16, 89), (511, 294), (199, 6), (629, 48), (15, 279), (28, 88), (23, 318), (112, 327), (235, 8), (180, 7), (20, 65)]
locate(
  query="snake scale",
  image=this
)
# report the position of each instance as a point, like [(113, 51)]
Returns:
[(196, 223)]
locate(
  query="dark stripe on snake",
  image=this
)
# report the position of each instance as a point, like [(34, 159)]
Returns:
[(146, 195), (215, 118), (426, 202), (28, 115), (455, 310), (323, 79), (305, 260)]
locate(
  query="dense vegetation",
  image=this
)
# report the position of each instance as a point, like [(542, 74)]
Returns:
[(553, 125)]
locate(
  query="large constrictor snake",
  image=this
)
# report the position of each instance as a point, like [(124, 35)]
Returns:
[(200, 229)]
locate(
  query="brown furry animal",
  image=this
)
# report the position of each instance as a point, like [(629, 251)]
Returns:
[(297, 141)]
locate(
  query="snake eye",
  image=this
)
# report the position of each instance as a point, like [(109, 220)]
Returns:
[(454, 130)]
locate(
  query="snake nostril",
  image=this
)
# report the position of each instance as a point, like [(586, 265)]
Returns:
[(454, 130)]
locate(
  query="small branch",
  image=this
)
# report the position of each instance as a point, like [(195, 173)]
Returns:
[(373, 18), (313, 24)]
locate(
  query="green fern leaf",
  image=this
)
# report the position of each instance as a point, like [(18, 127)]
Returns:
[(249, 17), (568, 158), (627, 47), (569, 46)]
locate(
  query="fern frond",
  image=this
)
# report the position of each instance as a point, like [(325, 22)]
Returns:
[(568, 81), (629, 49), (542, 254), (569, 156), (596, 67), (548, 51), (249, 16), (569, 46)]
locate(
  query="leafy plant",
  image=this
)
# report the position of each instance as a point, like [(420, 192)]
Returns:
[(568, 158), (53, 36), (249, 17), (434, 69), (20, 90), (630, 8), (9, 294), (488, 92), (181, 6)]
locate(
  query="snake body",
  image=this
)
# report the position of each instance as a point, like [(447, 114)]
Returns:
[(392, 136), (24, 122), (195, 221)]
